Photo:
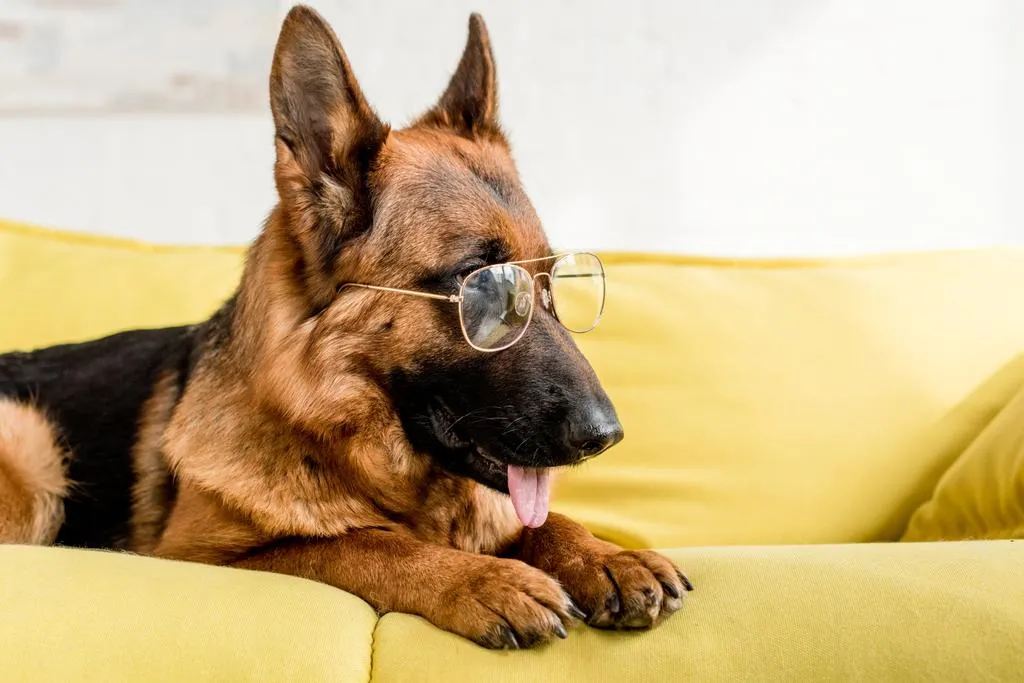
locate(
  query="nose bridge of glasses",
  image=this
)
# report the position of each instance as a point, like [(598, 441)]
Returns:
[(543, 290)]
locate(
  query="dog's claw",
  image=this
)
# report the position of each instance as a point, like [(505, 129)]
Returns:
[(560, 630), (686, 582), (511, 642), (670, 589), (613, 604), (575, 612)]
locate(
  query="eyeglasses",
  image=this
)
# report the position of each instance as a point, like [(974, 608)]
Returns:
[(496, 302)]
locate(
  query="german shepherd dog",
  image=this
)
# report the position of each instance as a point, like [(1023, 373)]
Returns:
[(348, 435)]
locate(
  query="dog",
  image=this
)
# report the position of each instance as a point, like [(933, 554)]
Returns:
[(335, 419)]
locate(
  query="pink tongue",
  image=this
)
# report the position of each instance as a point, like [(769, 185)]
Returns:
[(530, 494)]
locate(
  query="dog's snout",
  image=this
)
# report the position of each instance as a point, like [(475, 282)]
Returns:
[(596, 433)]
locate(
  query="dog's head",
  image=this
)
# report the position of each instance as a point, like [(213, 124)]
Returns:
[(419, 209)]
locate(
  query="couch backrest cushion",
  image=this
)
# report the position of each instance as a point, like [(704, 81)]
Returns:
[(763, 401), (793, 401), (60, 287)]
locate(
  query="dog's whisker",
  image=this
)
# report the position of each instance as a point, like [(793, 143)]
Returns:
[(521, 444), (510, 425), (448, 431)]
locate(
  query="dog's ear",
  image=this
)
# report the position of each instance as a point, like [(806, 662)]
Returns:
[(328, 137), (320, 113), (470, 104)]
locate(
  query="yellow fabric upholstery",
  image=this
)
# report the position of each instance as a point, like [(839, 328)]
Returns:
[(60, 287), (892, 612), (75, 615), (982, 493), (791, 401), (826, 613)]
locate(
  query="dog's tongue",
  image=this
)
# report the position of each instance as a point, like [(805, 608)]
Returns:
[(530, 494)]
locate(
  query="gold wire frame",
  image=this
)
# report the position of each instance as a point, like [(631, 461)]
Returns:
[(459, 298)]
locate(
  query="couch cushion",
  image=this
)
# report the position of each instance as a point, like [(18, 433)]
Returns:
[(763, 401), (793, 401), (982, 494), (877, 612), (871, 612), (62, 287), (76, 615)]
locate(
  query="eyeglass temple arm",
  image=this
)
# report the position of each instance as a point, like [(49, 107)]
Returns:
[(452, 298)]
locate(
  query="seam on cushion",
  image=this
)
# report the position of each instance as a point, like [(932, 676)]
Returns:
[(373, 649)]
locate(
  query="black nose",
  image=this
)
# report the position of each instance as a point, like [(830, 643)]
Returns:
[(595, 434)]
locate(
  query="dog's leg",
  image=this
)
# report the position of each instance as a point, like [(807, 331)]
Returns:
[(498, 603), (616, 588), (32, 483)]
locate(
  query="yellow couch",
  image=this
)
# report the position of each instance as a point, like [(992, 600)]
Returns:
[(787, 423)]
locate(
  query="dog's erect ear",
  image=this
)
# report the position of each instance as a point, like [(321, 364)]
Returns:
[(470, 104), (328, 137), (319, 110)]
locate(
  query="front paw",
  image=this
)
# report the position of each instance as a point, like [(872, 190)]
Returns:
[(626, 589), (506, 604)]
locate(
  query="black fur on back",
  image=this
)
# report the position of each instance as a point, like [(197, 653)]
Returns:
[(93, 393)]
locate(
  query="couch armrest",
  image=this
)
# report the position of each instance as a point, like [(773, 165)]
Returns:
[(895, 612), (75, 615)]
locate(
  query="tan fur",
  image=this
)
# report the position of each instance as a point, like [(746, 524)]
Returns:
[(202, 529), (32, 479), (149, 492)]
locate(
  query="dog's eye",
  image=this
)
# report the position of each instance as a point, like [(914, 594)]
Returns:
[(467, 269)]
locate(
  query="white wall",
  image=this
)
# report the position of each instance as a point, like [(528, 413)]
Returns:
[(732, 127)]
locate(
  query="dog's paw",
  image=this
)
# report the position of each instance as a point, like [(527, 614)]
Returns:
[(626, 589), (506, 604)]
